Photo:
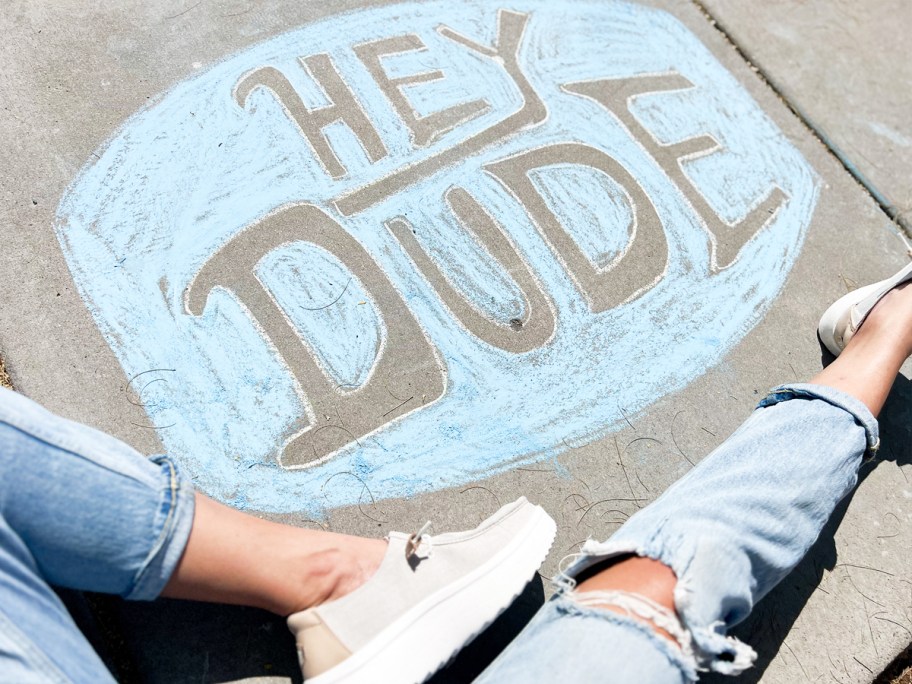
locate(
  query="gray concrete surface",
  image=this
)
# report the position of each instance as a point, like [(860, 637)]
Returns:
[(845, 66), (74, 74)]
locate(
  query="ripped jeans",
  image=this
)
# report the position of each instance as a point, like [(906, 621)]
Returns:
[(731, 529), (80, 509)]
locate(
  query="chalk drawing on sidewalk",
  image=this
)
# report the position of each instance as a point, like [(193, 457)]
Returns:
[(423, 245)]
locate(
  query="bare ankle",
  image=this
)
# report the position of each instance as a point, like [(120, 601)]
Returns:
[(329, 574), (890, 321)]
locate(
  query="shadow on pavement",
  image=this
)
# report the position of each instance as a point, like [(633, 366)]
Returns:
[(474, 658), (176, 642), (768, 626)]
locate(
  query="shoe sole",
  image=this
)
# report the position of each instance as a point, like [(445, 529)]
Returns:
[(832, 317), (404, 652)]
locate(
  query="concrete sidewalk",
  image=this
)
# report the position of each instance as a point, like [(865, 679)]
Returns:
[(844, 67), (223, 218)]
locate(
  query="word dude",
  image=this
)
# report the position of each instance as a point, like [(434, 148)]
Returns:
[(409, 247)]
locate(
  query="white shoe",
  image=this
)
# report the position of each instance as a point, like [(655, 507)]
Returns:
[(430, 596), (842, 320)]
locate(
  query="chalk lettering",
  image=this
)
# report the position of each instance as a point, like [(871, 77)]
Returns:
[(510, 29), (565, 233), (406, 365), (635, 269), (311, 122), (517, 335), (726, 240), (425, 129)]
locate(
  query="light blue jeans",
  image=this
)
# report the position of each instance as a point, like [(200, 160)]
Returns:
[(82, 510), (731, 529)]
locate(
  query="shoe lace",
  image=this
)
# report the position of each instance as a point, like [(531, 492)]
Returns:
[(414, 540)]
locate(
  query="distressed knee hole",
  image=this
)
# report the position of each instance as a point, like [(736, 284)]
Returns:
[(662, 620)]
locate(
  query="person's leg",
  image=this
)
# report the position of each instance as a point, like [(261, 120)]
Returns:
[(80, 509), (98, 516), (681, 572), (39, 642), (232, 557), (867, 367)]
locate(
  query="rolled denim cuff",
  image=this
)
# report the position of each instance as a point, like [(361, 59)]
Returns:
[(174, 520), (831, 395)]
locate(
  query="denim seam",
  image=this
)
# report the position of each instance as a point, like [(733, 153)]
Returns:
[(36, 657), (144, 583), (72, 448)]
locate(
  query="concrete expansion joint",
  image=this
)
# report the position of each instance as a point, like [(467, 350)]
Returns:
[(899, 216)]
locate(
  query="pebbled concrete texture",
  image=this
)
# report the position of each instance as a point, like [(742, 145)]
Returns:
[(4, 376), (845, 66), (76, 73)]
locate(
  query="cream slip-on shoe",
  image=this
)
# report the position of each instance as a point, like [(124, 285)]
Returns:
[(431, 595), (842, 320)]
